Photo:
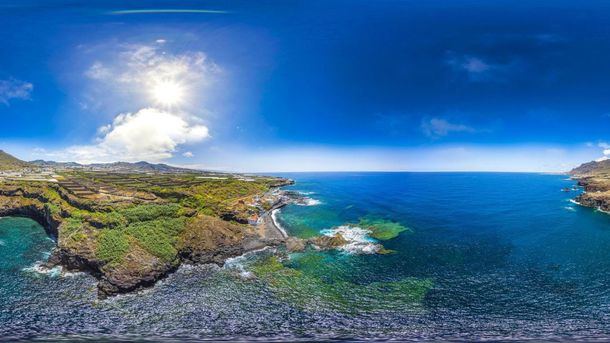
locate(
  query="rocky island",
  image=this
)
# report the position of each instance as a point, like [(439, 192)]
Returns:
[(594, 177), (131, 224)]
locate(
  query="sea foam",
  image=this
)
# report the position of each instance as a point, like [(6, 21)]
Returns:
[(358, 240), (39, 268), (310, 202), (238, 263)]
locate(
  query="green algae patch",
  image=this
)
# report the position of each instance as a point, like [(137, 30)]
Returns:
[(381, 229), (324, 288)]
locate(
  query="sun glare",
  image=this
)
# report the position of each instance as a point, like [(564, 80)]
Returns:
[(168, 93)]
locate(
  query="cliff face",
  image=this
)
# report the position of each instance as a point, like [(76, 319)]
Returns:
[(597, 193), (594, 177), (128, 244), (18, 205)]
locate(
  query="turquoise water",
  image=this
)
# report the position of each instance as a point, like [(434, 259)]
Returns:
[(485, 256)]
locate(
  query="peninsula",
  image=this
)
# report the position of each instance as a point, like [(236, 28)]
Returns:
[(131, 224), (594, 177)]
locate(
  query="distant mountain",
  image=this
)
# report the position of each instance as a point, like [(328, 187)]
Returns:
[(592, 168), (126, 167), (42, 163), (10, 162), (139, 167)]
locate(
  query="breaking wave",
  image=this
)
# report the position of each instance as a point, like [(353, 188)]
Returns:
[(358, 240), (307, 201), (39, 268)]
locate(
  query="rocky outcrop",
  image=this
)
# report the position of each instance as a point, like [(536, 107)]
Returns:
[(294, 244), (594, 178), (597, 193), (139, 269), (208, 239)]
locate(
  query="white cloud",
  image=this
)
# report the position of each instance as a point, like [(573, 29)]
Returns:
[(436, 128), (149, 134), (475, 65), (14, 89), (478, 69), (188, 154), (605, 151)]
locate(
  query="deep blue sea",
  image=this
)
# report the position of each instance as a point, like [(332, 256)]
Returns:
[(483, 256)]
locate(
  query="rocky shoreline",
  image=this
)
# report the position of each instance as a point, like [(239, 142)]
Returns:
[(204, 240), (594, 178), (596, 194), (207, 240)]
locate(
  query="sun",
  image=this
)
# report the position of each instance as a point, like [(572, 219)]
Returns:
[(168, 93)]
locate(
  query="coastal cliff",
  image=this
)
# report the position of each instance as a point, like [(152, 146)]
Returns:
[(594, 177), (129, 236)]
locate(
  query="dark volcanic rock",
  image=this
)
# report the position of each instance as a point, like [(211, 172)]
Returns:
[(294, 244), (328, 242)]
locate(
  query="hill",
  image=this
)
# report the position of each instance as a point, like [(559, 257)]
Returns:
[(592, 168), (594, 177), (9, 162), (125, 167)]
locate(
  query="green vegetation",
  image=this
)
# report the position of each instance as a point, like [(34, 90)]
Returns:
[(158, 237), (133, 228), (382, 229), (154, 228), (150, 212), (117, 227), (113, 245)]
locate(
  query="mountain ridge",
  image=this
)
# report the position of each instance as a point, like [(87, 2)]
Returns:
[(140, 166), (10, 162), (592, 168)]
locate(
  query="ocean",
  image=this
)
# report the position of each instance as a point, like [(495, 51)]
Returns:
[(460, 256)]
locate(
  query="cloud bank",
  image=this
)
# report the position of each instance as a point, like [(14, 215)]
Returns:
[(149, 134)]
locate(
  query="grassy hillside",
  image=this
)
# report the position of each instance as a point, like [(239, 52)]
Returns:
[(9, 162)]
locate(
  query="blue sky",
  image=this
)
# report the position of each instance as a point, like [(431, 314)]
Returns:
[(308, 85)]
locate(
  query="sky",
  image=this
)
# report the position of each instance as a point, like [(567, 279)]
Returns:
[(276, 86)]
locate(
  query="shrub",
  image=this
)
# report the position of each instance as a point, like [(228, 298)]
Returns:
[(158, 237), (150, 212), (112, 246)]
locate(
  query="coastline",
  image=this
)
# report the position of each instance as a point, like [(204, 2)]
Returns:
[(272, 230), (207, 239)]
